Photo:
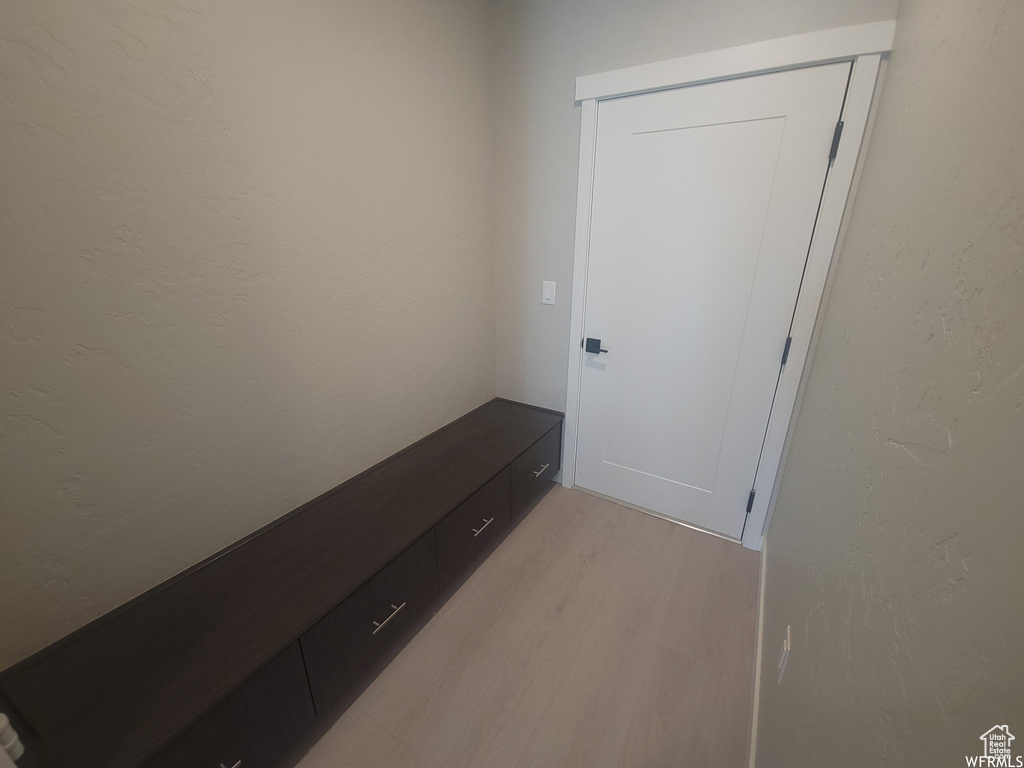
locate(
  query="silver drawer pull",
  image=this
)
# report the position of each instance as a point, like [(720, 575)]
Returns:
[(478, 531), (542, 470), (381, 624), (236, 765)]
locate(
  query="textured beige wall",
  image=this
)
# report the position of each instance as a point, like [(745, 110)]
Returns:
[(895, 550), (543, 46), (244, 254)]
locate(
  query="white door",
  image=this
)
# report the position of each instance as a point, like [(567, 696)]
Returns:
[(704, 203)]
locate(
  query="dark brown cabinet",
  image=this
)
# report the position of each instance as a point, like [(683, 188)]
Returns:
[(339, 584), (261, 725), (347, 648), (471, 530), (533, 470)]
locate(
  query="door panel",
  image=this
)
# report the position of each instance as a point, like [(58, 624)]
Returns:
[(704, 204), (685, 359)]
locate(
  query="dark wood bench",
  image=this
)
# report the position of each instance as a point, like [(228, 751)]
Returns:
[(249, 656)]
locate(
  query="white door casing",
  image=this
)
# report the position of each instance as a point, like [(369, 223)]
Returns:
[(859, 48)]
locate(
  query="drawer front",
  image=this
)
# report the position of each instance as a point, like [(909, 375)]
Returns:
[(263, 724), (346, 649), (533, 470), (473, 529)]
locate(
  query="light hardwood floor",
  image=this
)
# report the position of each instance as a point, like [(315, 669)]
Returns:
[(594, 636)]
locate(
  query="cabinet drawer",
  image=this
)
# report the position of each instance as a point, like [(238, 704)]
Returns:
[(473, 529), (533, 470), (263, 724), (346, 649)]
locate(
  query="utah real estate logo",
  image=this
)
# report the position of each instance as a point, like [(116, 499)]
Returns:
[(997, 752)]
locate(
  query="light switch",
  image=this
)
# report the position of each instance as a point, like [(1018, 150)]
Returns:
[(549, 292)]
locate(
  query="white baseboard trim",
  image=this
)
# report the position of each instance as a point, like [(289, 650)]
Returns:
[(758, 654)]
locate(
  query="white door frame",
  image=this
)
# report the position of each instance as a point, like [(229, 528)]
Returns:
[(863, 45)]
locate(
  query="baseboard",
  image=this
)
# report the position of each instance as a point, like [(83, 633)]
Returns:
[(758, 654)]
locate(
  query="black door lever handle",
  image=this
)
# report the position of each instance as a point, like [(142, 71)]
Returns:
[(593, 346)]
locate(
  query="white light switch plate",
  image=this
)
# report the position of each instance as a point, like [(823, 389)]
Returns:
[(549, 292)]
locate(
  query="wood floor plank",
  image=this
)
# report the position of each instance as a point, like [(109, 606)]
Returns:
[(593, 636), (358, 741)]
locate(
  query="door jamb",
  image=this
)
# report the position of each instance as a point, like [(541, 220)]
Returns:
[(863, 45)]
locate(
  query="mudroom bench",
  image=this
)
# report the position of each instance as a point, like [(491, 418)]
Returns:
[(244, 660)]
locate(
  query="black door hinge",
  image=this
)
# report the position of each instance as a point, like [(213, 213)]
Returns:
[(750, 501), (785, 352), (835, 141)]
